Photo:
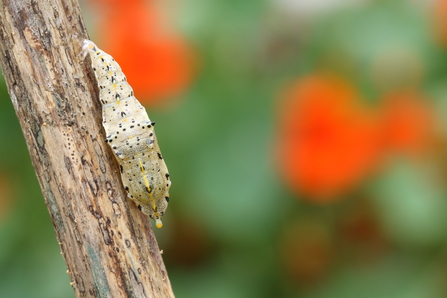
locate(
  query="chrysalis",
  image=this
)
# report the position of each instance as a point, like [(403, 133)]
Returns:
[(131, 135)]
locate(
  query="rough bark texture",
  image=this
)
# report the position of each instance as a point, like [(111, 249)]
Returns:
[(108, 244)]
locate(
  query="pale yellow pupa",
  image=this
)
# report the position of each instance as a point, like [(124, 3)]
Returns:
[(130, 134)]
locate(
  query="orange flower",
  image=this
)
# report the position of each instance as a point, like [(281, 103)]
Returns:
[(327, 141), (408, 122), (157, 63)]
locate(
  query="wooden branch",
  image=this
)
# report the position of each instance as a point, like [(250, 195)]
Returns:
[(107, 243)]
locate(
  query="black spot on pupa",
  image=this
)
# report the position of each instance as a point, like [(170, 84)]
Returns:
[(159, 155), (139, 207), (167, 199)]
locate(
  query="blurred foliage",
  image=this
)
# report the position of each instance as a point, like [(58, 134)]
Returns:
[(362, 214)]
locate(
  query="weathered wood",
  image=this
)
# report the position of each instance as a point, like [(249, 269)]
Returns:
[(107, 243)]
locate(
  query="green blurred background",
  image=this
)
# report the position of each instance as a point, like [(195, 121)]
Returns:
[(237, 226)]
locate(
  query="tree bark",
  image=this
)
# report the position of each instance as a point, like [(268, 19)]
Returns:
[(107, 243)]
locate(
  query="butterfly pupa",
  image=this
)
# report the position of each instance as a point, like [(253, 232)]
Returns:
[(130, 134)]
